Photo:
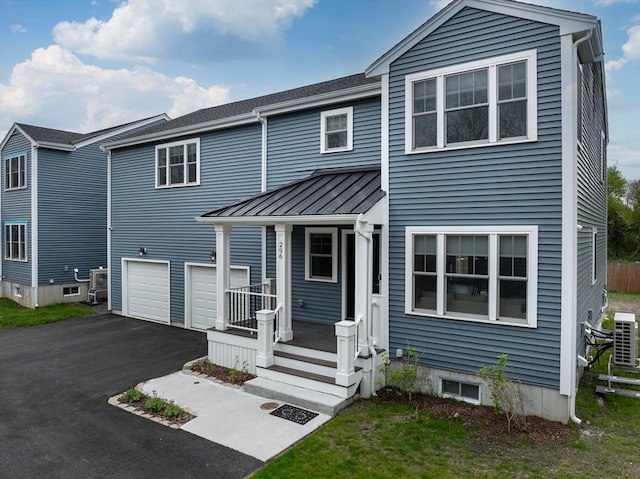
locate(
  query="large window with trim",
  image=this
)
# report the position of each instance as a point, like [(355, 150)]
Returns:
[(473, 273), (15, 172), (321, 245), (178, 164), (336, 130), (475, 104), (15, 241)]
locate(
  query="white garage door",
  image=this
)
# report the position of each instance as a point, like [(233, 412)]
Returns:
[(201, 308), (146, 290)]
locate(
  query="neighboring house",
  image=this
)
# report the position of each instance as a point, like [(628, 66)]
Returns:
[(452, 199), (53, 213)]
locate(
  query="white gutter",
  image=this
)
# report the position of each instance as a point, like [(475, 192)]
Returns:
[(109, 268), (270, 220), (34, 223)]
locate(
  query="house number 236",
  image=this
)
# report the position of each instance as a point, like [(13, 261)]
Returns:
[(280, 250)]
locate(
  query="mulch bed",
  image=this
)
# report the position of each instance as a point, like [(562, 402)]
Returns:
[(231, 376), (487, 428), (179, 420)]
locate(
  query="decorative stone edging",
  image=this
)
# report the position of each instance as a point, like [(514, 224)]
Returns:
[(115, 401)]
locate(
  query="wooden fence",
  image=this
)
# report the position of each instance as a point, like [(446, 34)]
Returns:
[(623, 277)]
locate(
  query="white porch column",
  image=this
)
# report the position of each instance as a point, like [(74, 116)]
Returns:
[(363, 281), (264, 355), (345, 335), (283, 280), (223, 262)]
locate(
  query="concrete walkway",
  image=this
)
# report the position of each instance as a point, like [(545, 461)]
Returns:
[(230, 417)]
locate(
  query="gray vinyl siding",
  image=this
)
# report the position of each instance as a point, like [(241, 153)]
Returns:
[(294, 142), (591, 201), (72, 213), (16, 206), (493, 185), (162, 220)]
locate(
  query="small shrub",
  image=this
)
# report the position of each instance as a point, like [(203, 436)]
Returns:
[(507, 395), (155, 404), (404, 376), (132, 395), (172, 410)]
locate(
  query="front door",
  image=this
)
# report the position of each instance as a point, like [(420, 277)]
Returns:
[(349, 269)]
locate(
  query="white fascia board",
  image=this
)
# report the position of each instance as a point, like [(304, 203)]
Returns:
[(350, 94), (13, 128), (568, 23), (270, 220), (238, 120), (56, 146), (375, 215), (124, 129)]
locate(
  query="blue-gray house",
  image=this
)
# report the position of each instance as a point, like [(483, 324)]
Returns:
[(53, 211), (451, 199)]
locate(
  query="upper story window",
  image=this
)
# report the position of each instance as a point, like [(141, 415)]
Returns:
[(476, 104), (336, 130), (15, 168), (15, 241), (321, 254), (178, 164), (475, 273)]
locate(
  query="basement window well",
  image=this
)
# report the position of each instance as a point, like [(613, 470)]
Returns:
[(463, 391)]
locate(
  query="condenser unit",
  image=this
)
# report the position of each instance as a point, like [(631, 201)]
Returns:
[(625, 339), (98, 279)]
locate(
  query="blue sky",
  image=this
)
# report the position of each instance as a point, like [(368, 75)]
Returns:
[(82, 65)]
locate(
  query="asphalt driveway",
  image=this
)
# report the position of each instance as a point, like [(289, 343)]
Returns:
[(54, 418)]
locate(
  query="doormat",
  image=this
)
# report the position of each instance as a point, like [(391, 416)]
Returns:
[(294, 414)]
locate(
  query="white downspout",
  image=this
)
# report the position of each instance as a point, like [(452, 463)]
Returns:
[(109, 269), (571, 226), (34, 224)]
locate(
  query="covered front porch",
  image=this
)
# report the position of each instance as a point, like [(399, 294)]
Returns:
[(323, 243)]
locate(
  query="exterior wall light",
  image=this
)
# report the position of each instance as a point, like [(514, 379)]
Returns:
[(213, 256), (142, 251)]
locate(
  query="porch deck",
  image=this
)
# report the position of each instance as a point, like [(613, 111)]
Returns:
[(321, 337)]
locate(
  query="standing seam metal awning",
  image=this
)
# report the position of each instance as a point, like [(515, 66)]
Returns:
[(333, 193)]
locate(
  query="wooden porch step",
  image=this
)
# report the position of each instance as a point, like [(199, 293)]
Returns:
[(298, 396), (309, 380), (307, 359)]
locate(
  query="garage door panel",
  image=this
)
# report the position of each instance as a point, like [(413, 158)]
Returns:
[(202, 293), (147, 290)]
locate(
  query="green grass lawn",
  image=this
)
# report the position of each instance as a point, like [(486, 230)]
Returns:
[(14, 315), (372, 439)]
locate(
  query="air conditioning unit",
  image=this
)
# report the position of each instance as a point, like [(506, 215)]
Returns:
[(625, 339), (98, 279)]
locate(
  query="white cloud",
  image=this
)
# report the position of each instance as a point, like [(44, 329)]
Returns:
[(606, 3), (17, 28), (54, 88), (143, 30), (630, 50), (626, 158)]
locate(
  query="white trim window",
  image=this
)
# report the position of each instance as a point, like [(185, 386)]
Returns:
[(603, 157), (178, 164), (492, 101), (594, 255), (15, 241), (485, 274), (321, 258), (460, 390), (336, 130), (15, 170)]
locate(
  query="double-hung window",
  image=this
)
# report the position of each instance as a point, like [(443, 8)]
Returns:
[(178, 164), (15, 168), (475, 104), (336, 130), (15, 241), (321, 254), (473, 273)]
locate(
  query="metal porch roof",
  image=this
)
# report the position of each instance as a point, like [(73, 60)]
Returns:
[(329, 192)]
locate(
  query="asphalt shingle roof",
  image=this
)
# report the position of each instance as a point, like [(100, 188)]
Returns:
[(237, 108), (326, 192)]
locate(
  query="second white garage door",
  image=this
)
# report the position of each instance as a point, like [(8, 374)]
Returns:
[(145, 290), (200, 304)]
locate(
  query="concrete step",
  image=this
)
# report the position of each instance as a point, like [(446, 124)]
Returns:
[(309, 380), (298, 396)]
